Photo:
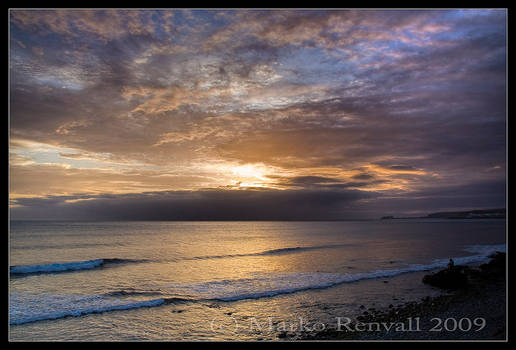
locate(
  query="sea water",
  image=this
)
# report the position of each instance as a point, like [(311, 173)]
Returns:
[(223, 280)]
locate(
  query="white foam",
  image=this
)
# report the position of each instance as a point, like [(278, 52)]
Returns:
[(271, 285), (486, 249), (31, 308)]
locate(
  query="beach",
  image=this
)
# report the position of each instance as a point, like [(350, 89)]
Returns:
[(475, 312)]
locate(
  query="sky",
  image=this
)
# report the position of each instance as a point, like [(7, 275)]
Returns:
[(255, 114)]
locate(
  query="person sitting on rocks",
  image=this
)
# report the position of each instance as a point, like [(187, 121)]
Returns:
[(451, 264)]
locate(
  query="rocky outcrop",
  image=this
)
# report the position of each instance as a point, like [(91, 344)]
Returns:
[(459, 277), (452, 278)]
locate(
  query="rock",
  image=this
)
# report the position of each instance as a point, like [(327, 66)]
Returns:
[(494, 269), (459, 277), (452, 278)]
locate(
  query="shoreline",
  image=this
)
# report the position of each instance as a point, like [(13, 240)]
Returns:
[(476, 311)]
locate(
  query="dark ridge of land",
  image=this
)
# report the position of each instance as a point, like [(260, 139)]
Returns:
[(480, 296), (470, 214)]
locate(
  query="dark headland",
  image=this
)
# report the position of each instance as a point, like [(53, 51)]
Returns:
[(470, 214)]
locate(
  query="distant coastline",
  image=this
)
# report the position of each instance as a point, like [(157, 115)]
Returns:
[(470, 214)]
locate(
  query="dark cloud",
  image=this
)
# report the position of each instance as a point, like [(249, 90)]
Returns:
[(483, 194), (363, 177), (303, 180), (401, 167), (332, 203), (327, 183), (198, 205)]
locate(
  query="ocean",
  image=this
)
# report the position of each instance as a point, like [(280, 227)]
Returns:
[(128, 281)]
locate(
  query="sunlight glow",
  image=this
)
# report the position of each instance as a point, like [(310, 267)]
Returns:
[(249, 171)]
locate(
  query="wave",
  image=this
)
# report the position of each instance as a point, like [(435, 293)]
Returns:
[(272, 285), (266, 252), (132, 292), (486, 249), (51, 307), (32, 308), (65, 266), (89, 310)]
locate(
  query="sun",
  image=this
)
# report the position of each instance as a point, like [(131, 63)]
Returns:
[(247, 175), (249, 172)]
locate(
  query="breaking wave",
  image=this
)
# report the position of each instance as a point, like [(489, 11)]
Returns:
[(65, 266), (266, 252), (75, 307), (26, 308), (272, 285)]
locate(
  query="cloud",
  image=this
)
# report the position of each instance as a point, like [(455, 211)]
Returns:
[(481, 194), (380, 100), (363, 177), (330, 203), (198, 205)]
